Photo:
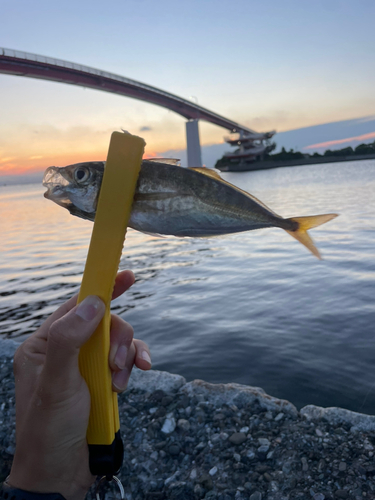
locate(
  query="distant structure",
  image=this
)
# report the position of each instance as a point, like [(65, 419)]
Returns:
[(14, 62), (251, 146)]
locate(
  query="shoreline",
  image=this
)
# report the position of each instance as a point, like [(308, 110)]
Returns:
[(267, 164), (192, 440)]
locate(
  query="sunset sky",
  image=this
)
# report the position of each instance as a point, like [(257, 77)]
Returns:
[(269, 65)]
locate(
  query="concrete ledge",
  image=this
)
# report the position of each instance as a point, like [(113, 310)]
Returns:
[(219, 394), (359, 422)]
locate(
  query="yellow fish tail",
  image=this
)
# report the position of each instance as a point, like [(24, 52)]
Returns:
[(305, 223)]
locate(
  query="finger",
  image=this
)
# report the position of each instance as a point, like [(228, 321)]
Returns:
[(143, 356), (65, 338), (139, 355), (124, 280), (121, 337), (120, 378)]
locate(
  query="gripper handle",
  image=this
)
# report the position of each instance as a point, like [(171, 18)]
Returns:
[(107, 240)]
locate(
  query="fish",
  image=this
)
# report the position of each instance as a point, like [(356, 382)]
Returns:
[(172, 200)]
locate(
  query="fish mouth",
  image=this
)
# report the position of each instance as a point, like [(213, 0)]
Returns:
[(56, 184)]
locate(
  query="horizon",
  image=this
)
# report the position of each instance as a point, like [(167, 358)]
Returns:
[(290, 137)]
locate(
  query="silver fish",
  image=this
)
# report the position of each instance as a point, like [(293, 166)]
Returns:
[(172, 200)]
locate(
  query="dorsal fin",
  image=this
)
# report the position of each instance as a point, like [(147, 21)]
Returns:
[(207, 171), (215, 175), (168, 161)]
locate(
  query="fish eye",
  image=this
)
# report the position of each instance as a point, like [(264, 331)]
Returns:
[(81, 174)]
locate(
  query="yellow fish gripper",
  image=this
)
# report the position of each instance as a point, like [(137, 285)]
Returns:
[(112, 216)]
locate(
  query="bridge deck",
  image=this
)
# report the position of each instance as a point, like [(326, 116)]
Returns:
[(14, 62)]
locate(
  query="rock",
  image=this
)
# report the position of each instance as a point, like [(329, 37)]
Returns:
[(257, 495), (305, 465), (174, 449), (212, 471), (183, 424), (264, 442), (338, 416), (318, 496), (341, 494), (153, 380), (193, 474), (171, 479), (166, 401), (138, 438), (238, 438), (237, 394), (199, 491), (181, 491), (210, 495), (263, 449), (169, 425), (205, 481), (8, 347)]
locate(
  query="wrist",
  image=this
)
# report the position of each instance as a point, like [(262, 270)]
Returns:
[(7, 491), (38, 488), (33, 473)]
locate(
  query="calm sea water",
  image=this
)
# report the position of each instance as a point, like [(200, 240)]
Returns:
[(254, 308)]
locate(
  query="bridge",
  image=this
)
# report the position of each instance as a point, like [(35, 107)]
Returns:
[(14, 62)]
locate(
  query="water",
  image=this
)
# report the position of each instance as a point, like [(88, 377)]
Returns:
[(254, 308)]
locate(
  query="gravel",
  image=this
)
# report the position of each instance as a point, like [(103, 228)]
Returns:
[(195, 440)]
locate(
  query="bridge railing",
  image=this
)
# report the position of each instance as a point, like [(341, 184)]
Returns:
[(202, 112), (17, 54)]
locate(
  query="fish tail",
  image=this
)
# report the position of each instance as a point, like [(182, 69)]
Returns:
[(305, 223)]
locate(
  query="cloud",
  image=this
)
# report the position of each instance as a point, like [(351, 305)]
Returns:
[(328, 144), (7, 159)]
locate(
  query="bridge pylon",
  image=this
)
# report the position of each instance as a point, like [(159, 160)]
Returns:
[(194, 155)]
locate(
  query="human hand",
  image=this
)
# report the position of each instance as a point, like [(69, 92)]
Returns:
[(53, 400)]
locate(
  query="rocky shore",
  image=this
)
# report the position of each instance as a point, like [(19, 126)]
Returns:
[(194, 440)]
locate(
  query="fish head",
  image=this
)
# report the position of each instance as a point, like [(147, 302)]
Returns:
[(75, 187)]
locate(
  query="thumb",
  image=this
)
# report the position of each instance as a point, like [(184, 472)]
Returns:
[(65, 337)]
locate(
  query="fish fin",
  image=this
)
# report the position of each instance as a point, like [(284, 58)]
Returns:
[(210, 172), (168, 161), (156, 235), (309, 222)]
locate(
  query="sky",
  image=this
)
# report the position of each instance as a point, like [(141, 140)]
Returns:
[(276, 65)]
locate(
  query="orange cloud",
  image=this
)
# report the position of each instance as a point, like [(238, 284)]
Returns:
[(328, 144), (32, 148)]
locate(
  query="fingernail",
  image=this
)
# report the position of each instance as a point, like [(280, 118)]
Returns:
[(146, 357), (90, 307), (120, 357), (120, 379)]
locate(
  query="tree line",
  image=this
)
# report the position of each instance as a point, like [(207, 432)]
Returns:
[(361, 149)]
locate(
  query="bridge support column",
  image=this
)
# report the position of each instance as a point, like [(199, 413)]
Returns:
[(194, 156)]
